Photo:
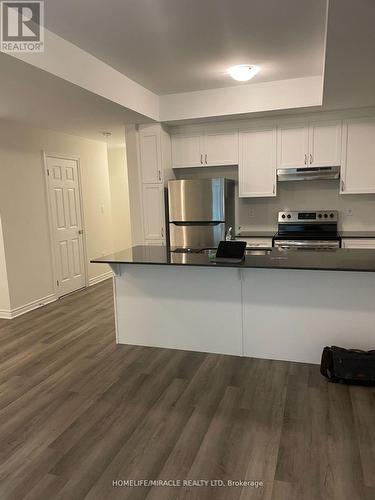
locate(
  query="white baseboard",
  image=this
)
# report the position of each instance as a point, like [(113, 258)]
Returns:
[(5, 314), (18, 311), (100, 278)]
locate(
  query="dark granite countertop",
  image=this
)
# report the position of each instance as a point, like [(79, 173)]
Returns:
[(323, 260), (357, 234)]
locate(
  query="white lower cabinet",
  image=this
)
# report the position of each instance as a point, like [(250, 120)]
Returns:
[(358, 243), (154, 243), (257, 163), (153, 211), (256, 242)]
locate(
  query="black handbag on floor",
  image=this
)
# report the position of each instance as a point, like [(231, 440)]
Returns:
[(348, 366)]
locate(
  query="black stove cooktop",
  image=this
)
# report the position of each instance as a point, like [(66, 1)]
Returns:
[(308, 226)]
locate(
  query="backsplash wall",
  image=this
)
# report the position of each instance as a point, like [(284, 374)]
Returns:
[(261, 213)]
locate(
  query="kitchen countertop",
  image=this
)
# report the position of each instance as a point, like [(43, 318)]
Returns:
[(323, 260)]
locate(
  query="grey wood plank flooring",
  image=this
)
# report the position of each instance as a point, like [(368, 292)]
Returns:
[(78, 411)]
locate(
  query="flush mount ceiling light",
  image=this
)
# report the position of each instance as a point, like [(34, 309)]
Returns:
[(243, 72)]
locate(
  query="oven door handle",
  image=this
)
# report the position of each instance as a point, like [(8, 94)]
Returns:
[(306, 244)]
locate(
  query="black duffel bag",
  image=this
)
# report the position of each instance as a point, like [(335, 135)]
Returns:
[(348, 366)]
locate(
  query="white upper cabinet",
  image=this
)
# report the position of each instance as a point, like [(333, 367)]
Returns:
[(187, 150), (358, 156), (316, 144), (150, 153), (325, 144), (257, 163), (221, 148), (203, 149), (292, 146), (153, 211)]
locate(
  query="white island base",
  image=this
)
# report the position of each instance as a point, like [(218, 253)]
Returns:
[(264, 313)]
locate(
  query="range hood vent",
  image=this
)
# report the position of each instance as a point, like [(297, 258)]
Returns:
[(307, 173)]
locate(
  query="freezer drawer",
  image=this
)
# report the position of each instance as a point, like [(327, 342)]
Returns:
[(196, 200), (196, 235)]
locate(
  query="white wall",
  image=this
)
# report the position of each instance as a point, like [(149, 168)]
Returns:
[(241, 99), (118, 180), (4, 290), (90, 73), (23, 206), (261, 213)]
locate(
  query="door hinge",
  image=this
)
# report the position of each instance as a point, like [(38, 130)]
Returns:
[(58, 284), (47, 171)]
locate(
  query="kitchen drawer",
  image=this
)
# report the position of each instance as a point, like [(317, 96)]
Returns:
[(257, 242), (364, 243)]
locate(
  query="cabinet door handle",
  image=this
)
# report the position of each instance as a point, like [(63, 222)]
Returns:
[(201, 158), (205, 158), (311, 158), (159, 173), (305, 159), (274, 189), (342, 185), (162, 232)]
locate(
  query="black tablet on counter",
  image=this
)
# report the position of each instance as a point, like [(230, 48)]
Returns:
[(230, 251)]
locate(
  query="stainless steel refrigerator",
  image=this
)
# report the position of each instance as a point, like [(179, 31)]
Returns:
[(200, 212)]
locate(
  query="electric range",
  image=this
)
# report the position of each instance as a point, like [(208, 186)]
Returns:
[(316, 230)]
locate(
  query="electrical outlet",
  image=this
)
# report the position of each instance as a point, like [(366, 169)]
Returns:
[(251, 213), (349, 211)]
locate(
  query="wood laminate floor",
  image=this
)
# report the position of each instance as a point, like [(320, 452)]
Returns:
[(78, 411)]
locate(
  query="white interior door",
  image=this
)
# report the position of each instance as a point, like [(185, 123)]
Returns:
[(66, 219)]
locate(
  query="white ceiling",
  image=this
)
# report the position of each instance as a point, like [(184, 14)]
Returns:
[(171, 46), (350, 57), (37, 98)]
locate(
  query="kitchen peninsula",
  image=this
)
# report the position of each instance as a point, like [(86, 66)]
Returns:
[(276, 304)]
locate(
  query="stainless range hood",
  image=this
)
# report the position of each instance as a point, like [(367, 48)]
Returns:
[(307, 173)]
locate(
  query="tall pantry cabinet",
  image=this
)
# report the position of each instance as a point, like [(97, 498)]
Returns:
[(155, 164)]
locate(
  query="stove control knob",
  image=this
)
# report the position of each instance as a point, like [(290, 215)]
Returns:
[(325, 216), (289, 216), (332, 215), (320, 216), (283, 216)]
